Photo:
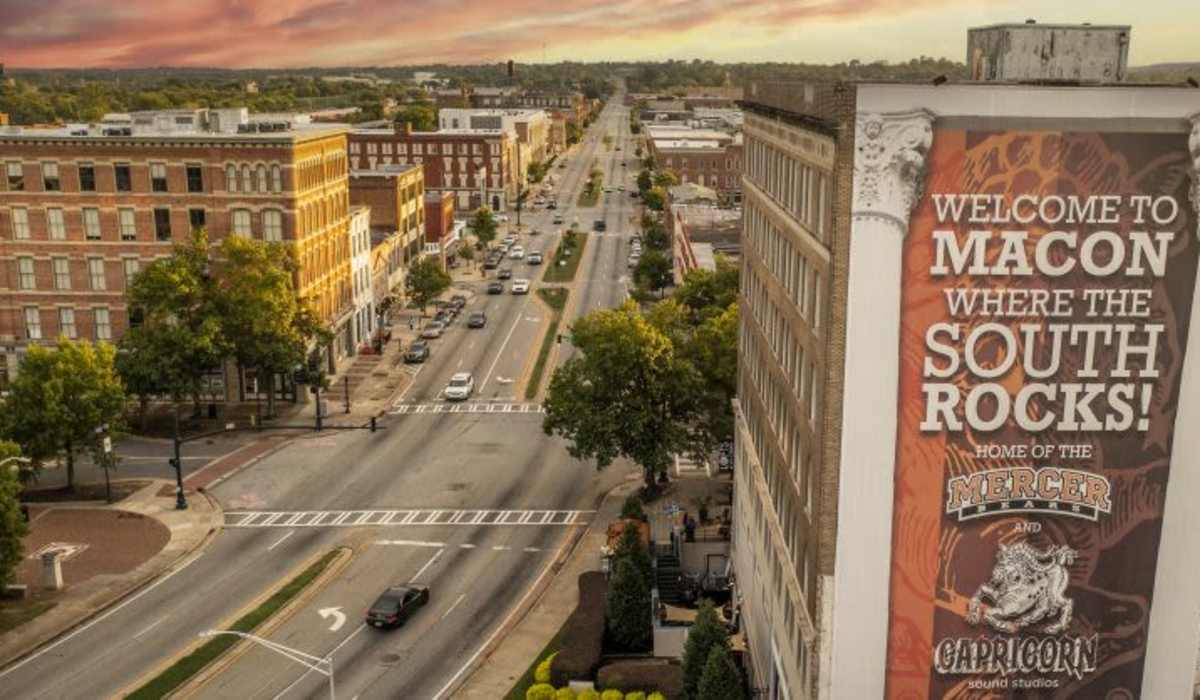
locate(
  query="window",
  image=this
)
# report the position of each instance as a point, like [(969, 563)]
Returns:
[(241, 222), (87, 177), (33, 323), (20, 223), (96, 274), (231, 178), (158, 177), (16, 176), (162, 224), (25, 277), (130, 266), (276, 178), (127, 223), (262, 178), (195, 178), (50, 181), (123, 178), (66, 322), (103, 325), (196, 218), (62, 273), (247, 181), (55, 225), (272, 225)]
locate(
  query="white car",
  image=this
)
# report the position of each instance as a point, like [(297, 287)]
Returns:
[(509, 239), (634, 260), (520, 286), (460, 387), (517, 253)]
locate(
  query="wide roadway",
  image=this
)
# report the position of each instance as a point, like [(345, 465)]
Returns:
[(443, 461)]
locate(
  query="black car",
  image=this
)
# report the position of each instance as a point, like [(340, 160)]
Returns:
[(504, 273), (458, 301), (477, 319), (491, 262), (396, 605), (599, 225), (495, 288), (417, 353)]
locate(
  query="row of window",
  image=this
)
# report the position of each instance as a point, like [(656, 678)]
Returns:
[(244, 178), (318, 170), (66, 318), (326, 211), (695, 163), (798, 187), (127, 228), (782, 256), (86, 180), (60, 272), (422, 149)]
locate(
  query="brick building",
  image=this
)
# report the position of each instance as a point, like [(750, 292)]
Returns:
[(395, 195), (532, 126), (477, 166), (708, 162), (439, 225), (83, 208)]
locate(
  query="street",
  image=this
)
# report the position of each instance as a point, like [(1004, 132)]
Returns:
[(471, 499)]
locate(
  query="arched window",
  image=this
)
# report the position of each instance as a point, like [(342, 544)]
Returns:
[(231, 178), (262, 178), (276, 178), (247, 182)]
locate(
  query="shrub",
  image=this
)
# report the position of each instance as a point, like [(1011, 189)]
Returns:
[(721, 680), (541, 674), (588, 695), (540, 691), (583, 633), (656, 696), (612, 695), (707, 632), (636, 695), (644, 675), (564, 694), (632, 508), (632, 547), (628, 612)]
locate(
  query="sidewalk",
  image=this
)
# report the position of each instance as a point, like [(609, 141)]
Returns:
[(110, 552), (519, 643)]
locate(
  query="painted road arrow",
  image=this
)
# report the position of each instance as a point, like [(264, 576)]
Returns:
[(339, 617)]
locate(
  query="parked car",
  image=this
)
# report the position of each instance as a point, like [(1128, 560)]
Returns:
[(634, 260), (520, 286), (558, 218), (491, 263), (417, 353), (621, 188), (432, 330), (495, 288), (534, 232), (477, 319), (517, 253), (534, 259), (504, 273), (599, 225), (552, 204), (458, 301), (396, 605), (460, 387), (509, 239)]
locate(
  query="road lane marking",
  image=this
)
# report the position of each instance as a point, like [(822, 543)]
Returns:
[(500, 352), (333, 651), (400, 518), (151, 626), (452, 607), (412, 543), (428, 564), (280, 540)]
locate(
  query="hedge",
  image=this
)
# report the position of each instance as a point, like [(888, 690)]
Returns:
[(541, 691), (612, 695), (583, 634), (542, 673), (634, 675)]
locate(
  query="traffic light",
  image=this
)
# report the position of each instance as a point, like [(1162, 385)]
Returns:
[(173, 462)]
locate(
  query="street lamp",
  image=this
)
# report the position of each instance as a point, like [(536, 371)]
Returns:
[(106, 447), (323, 666), (180, 499)]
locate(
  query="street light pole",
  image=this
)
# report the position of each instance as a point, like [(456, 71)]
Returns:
[(180, 499), (322, 665)]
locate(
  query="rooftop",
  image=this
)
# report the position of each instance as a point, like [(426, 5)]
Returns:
[(687, 145), (393, 170), (432, 134), (184, 125)]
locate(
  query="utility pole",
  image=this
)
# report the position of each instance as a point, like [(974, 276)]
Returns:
[(346, 386)]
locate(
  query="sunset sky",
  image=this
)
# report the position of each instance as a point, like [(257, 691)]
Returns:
[(291, 33)]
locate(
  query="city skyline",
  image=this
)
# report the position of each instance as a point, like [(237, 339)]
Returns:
[(234, 34)]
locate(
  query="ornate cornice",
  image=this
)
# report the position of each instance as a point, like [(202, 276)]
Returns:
[(889, 164), (1194, 150)]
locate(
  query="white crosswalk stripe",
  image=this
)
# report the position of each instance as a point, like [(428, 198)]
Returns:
[(475, 407), (405, 518)]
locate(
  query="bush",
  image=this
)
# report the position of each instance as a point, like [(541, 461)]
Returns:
[(612, 695), (656, 696), (583, 634), (564, 694), (542, 673), (706, 633), (628, 611), (588, 695), (721, 680), (646, 676), (638, 695), (540, 691), (632, 508)]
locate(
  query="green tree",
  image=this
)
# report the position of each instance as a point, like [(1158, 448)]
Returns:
[(59, 398), (707, 633), (632, 508), (628, 612), (712, 350), (654, 198), (12, 523), (631, 547), (720, 680), (483, 224), (574, 133), (707, 292), (467, 253), (426, 281), (644, 182), (625, 394), (147, 361), (665, 179), (422, 115), (654, 270), (654, 234)]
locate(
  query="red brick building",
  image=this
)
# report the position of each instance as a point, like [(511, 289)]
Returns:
[(439, 224), (712, 163)]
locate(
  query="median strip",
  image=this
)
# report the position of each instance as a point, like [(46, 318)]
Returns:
[(565, 261), (184, 669), (556, 299)]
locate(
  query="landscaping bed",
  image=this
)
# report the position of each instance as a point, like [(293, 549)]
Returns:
[(566, 272), (556, 299), (15, 613)]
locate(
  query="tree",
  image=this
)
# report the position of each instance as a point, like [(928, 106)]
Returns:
[(58, 400), (637, 151), (665, 179), (467, 253), (426, 281), (708, 293), (148, 364), (707, 633), (483, 224), (628, 612), (720, 680), (644, 182), (422, 115), (654, 270), (631, 548), (625, 394), (12, 522), (654, 198), (654, 234), (712, 350)]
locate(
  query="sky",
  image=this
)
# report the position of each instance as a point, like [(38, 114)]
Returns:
[(301, 33)]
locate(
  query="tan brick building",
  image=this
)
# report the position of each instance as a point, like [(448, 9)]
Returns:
[(82, 209)]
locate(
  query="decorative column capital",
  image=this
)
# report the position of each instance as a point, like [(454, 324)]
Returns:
[(1194, 150), (889, 164)]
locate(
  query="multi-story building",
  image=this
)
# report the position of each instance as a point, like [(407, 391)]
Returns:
[(83, 208), (394, 195), (439, 225), (906, 467), (532, 126), (708, 162), (3, 119), (477, 166), (364, 324)]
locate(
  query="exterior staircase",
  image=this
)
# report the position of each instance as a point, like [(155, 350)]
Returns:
[(667, 573)]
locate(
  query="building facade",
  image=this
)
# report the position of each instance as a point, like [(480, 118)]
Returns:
[(477, 166), (708, 163), (83, 209), (439, 225), (531, 126), (363, 326)]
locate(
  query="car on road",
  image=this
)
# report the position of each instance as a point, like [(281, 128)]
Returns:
[(495, 288), (491, 263), (417, 353), (634, 259), (504, 273), (534, 232), (562, 165), (558, 218), (608, 190), (443, 317), (432, 330), (517, 253), (520, 286), (509, 239), (396, 605), (621, 188), (552, 204), (458, 301), (599, 225), (460, 387), (534, 259), (477, 319)]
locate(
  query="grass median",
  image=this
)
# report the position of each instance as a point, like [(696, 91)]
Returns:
[(565, 261), (526, 680), (184, 669), (556, 299)]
